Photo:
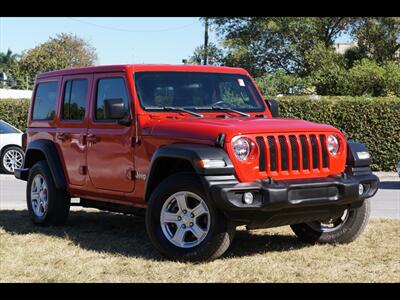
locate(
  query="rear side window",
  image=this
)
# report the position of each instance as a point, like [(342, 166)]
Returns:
[(45, 101), (74, 102), (110, 88)]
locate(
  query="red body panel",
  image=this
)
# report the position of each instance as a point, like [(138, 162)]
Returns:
[(99, 158)]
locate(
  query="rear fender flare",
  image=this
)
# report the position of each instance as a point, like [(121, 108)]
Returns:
[(49, 150)]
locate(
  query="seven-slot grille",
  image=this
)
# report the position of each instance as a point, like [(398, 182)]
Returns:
[(289, 154)]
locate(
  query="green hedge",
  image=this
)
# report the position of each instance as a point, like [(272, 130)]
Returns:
[(372, 121), (15, 112)]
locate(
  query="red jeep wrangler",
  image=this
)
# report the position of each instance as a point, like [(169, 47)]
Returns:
[(198, 148)]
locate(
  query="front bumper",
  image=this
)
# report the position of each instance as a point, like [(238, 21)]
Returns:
[(278, 203)]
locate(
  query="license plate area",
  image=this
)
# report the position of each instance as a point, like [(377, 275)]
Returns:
[(297, 195)]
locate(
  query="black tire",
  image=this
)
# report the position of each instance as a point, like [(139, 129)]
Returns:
[(351, 228), (58, 199), (2, 166), (218, 238)]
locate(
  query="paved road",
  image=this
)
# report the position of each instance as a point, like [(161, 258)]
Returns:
[(385, 204)]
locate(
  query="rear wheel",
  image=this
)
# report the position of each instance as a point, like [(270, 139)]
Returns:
[(183, 224), (46, 203), (12, 158), (344, 229)]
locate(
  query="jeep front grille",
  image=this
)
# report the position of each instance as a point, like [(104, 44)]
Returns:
[(282, 154)]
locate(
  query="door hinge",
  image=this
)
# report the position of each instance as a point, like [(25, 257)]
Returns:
[(83, 170), (130, 174), (82, 139), (135, 141)]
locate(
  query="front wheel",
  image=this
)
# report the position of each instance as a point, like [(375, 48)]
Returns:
[(183, 224), (344, 229)]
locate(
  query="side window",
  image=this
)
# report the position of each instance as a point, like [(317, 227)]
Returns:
[(110, 89), (74, 103), (45, 101)]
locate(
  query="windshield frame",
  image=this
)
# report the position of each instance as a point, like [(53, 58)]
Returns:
[(252, 87)]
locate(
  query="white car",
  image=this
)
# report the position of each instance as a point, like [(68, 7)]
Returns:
[(11, 153)]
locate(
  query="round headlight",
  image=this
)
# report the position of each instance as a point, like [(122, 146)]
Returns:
[(242, 148), (333, 145)]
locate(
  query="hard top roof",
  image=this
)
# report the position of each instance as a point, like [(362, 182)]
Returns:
[(142, 67)]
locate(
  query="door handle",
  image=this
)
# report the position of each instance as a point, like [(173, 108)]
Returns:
[(62, 136), (92, 138)]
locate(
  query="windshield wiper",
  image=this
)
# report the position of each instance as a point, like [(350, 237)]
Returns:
[(171, 108), (229, 109)]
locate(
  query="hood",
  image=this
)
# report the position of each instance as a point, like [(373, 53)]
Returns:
[(208, 128)]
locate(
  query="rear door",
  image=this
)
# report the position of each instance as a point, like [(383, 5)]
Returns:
[(72, 125), (110, 151)]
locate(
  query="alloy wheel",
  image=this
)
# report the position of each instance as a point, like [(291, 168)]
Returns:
[(39, 196), (331, 224), (12, 160), (185, 219)]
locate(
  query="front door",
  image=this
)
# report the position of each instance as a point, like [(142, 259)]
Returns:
[(110, 151)]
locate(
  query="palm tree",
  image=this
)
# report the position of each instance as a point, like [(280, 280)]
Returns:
[(8, 59)]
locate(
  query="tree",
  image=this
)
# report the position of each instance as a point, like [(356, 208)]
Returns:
[(392, 78), (63, 51), (214, 55), (326, 69), (269, 43), (378, 39), (7, 59), (366, 78), (8, 62), (279, 82)]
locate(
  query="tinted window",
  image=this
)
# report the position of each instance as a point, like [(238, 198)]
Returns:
[(197, 90), (74, 104), (45, 101), (5, 128), (110, 88)]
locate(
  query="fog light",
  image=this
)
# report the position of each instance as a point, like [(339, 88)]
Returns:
[(360, 189), (248, 198)]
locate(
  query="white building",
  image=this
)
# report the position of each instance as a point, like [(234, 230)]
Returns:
[(341, 48), (15, 94)]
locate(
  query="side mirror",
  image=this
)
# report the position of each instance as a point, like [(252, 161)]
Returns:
[(114, 109), (273, 106)]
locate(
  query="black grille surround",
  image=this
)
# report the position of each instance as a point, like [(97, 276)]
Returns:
[(289, 153)]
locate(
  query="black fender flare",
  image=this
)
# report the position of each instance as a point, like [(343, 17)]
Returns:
[(192, 153), (49, 150)]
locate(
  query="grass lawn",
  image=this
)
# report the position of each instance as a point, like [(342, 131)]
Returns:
[(104, 247)]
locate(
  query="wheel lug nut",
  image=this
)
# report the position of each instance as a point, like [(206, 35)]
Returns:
[(192, 215), (179, 218), (183, 226), (191, 224), (185, 212)]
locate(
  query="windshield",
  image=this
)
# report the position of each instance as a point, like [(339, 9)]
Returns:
[(6, 128), (197, 90)]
